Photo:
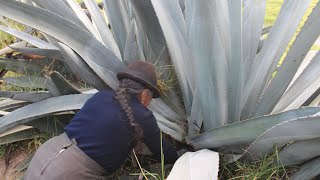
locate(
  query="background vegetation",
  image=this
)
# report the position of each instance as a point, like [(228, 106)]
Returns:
[(264, 169)]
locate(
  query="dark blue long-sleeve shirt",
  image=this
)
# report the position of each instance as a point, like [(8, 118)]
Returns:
[(102, 131)]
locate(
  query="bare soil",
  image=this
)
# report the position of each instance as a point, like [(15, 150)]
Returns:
[(9, 172)]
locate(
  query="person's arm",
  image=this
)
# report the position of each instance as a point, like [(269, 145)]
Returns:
[(152, 140), (153, 143)]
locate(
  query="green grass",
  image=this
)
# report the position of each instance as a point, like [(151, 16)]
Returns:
[(154, 175), (267, 168)]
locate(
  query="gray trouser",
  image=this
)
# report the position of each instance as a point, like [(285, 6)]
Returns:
[(61, 159)]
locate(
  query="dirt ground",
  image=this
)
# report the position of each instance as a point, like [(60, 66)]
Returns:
[(19, 156), (10, 172)]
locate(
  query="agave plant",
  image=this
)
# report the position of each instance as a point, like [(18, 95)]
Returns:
[(230, 94)]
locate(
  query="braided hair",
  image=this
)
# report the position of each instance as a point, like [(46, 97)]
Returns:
[(126, 89)]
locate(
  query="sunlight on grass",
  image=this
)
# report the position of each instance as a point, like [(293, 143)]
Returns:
[(273, 8), (272, 11), (7, 39), (315, 47), (98, 1)]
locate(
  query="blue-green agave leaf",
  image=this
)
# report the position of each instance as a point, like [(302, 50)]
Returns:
[(21, 66), (299, 152), (149, 26), (32, 82), (302, 88), (308, 171), (9, 49), (42, 108), (32, 96), (196, 118), (18, 136), (84, 18), (174, 28), (28, 38), (60, 7), (151, 38), (174, 126), (96, 55), (80, 68), (297, 53), (51, 87), (8, 94), (133, 50), (64, 87), (118, 15), (302, 128), (9, 104), (174, 134), (211, 65), (54, 54), (26, 96), (247, 131), (236, 62), (252, 23), (158, 106), (102, 27), (271, 52)]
